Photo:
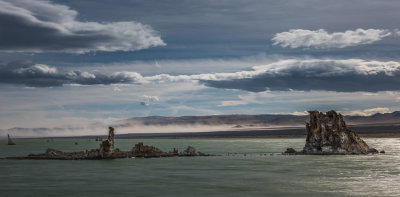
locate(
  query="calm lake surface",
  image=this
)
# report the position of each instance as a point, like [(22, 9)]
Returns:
[(257, 169)]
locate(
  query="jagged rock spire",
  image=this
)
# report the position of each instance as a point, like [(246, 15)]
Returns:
[(107, 146), (328, 133)]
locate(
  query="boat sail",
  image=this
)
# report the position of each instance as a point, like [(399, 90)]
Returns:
[(10, 142)]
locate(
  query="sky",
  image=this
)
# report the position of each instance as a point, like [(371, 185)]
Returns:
[(67, 64)]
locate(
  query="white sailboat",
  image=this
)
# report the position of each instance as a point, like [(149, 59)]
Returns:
[(10, 142)]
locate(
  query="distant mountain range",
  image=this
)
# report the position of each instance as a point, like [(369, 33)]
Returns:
[(266, 125), (256, 120)]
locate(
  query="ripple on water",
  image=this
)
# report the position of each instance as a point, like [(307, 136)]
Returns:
[(258, 173)]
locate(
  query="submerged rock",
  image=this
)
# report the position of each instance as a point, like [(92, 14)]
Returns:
[(190, 150), (141, 150), (53, 152), (327, 133), (174, 151), (290, 151)]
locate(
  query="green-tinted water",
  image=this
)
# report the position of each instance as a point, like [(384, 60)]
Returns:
[(256, 170)]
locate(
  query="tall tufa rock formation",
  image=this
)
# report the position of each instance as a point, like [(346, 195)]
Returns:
[(327, 133), (107, 146)]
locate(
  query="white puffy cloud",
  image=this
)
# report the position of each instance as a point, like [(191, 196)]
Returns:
[(296, 38), (43, 26), (37, 69), (148, 100)]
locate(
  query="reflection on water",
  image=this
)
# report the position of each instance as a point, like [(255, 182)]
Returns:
[(246, 167)]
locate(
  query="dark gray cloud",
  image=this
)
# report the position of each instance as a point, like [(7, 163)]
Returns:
[(330, 75), (229, 29), (298, 81), (348, 75), (210, 28), (41, 75), (42, 26)]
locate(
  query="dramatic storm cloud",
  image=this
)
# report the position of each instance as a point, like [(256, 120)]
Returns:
[(314, 74), (42, 26), (296, 38), (332, 75), (73, 63)]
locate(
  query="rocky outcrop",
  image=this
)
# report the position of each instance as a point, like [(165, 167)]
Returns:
[(190, 150), (327, 133), (53, 152), (290, 151), (107, 151), (141, 150), (138, 151), (107, 146)]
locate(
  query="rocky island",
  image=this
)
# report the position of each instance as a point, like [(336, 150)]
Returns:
[(107, 151), (327, 134)]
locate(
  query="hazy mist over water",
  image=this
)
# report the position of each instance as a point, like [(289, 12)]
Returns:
[(257, 169)]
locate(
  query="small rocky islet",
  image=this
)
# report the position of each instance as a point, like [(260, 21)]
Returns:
[(327, 134), (107, 151)]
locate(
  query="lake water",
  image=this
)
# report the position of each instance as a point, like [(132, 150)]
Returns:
[(257, 169)]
